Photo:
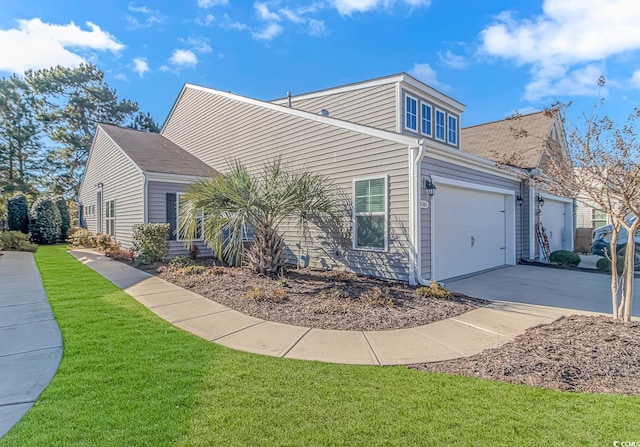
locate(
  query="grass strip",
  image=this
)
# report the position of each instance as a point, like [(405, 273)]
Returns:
[(128, 378)]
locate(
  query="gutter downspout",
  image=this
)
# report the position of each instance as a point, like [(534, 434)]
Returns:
[(145, 198), (416, 154)]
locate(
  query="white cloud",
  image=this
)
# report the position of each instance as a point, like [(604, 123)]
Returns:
[(452, 60), (183, 58), (424, 73), (635, 79), (268, 33), (317, 28), (149, 17), (198, 45), (348, 7), (263, 13), (207, 21), (35, 44), (582, 81), (228, 23), (140, 66), (568, 37), (121, 77), (209, 3), (291, 15)]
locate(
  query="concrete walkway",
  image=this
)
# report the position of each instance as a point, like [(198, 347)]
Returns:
[(30, 340), (460, 336)]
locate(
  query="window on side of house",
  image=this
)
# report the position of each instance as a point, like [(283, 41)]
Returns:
[(110, 217), (370, 214), (426, 119), (598, 218), (411, 113), (199, 218), (440, 125), (452, 135)]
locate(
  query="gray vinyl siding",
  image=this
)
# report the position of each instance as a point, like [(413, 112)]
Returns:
[(215, 128), (157, 203), (371, 106), (121, 181), (432, 166)]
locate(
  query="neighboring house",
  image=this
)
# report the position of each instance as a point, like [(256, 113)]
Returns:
[(383, 142), (135, 177), (534, 143)]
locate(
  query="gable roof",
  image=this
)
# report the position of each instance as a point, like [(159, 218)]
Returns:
[(152, 152), (505, 140)]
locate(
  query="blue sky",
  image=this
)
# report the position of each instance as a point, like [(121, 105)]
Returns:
[(495, 56)]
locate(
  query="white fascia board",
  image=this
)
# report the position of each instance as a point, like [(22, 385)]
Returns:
[(171, 178), (340, 89), (456, 156), (546, 195), (347, 125), (421, 86)]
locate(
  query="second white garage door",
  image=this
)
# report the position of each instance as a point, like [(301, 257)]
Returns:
[(470, 231)]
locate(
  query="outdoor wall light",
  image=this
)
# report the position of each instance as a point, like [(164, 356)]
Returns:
[(540, 200), (430, 187), (519, 198)]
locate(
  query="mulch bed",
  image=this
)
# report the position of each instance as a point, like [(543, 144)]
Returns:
[(577, 353), (318, 299)]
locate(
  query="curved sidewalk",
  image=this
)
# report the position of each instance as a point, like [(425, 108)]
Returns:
[(30, 340), (460, 336)]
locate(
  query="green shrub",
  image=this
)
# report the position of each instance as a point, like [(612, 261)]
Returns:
[(604, 265), (16, 240), (150, 242), (65, 219), (81, 237), (18, 213), (44, 222), (434, 290), (564, 258)]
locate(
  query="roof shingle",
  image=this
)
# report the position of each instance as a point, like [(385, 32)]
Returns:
[(153, 152), (520, 139)]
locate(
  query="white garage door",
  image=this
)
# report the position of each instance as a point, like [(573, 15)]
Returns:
[(553, 220), (469, 231)]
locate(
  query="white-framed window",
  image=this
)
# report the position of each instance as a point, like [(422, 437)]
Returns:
[(598, 218), (411, 113), (426, 119), (370, 213), (199, 217), (110, 217), (440, 125), (452, 131)]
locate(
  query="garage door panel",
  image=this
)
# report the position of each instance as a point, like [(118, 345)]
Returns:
[(469, 231), (553, 221)]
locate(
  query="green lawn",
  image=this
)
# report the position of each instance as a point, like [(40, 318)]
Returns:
[(129, 378)]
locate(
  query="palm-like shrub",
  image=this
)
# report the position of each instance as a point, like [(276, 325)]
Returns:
[(238, 202)]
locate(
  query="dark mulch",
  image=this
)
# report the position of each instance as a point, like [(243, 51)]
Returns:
[(577, 353), (319, 299)]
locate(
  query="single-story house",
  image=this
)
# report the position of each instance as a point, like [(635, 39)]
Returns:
[(134, 177), (387, 140)]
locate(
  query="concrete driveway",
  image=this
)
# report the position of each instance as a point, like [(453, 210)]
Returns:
[(582, 291)]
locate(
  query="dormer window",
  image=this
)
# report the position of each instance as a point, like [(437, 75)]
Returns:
[(411, 114), (440, 125), (426, 120), (452, 137)]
